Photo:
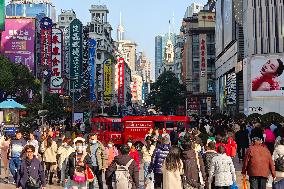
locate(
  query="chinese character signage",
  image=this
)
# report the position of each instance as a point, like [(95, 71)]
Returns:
[(18, 41), (86, 66), (203, 57), (76, 56), (2, 15), (231, 88), (120, 81), (56, 79), (108, 81), (45, 41), (92, 52)]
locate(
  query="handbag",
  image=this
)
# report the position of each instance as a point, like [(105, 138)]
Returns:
[(79, 175), (245, 186)]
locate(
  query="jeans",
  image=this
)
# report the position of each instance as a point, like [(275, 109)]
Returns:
[(158, 180), (99, 177), (14, 166), (146, 173), (75, 185), (241, 153), (257, 182)]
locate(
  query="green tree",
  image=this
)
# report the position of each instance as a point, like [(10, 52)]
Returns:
[(166, 93)]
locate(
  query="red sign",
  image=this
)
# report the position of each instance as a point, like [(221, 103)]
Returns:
[(203, 61), (120, 90)]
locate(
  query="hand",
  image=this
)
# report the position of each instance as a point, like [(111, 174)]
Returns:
[(244, 175), (103, 170), (43, 188)]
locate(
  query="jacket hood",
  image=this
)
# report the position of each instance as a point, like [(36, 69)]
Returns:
[(188, 154)]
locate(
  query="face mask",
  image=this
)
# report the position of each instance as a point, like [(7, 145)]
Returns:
[(110, 145), (80, 149), (129, 144), (94, 141)]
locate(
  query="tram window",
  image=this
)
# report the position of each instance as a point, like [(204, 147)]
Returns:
[(101, 127), (116, 127), (159, 125), (170, 125)]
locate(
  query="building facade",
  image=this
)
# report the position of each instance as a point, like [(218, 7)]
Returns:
[(136, 88), (194, 8), (229, 56), (34, 9), (101, 30), (127, 49), (198, 62), (263, 23), (178, 50)]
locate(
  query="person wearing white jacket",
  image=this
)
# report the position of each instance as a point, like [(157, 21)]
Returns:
[(222, 169), (63, 153), (279, 153)]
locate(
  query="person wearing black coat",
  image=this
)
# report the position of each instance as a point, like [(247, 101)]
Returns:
[(174, 136), (242, 140)]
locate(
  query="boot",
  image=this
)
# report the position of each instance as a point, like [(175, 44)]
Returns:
[(46, 174), (50, 178)]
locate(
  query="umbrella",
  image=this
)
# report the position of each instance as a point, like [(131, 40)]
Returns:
[(11, 104)]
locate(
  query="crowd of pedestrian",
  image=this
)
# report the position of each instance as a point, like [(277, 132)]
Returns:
[(200, 156)]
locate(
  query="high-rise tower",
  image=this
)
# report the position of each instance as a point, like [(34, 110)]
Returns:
[(120, 30)]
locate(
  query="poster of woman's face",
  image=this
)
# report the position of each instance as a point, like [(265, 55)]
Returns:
[(267, 78)]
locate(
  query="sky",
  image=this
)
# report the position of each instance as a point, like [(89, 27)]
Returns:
[(142, 19)]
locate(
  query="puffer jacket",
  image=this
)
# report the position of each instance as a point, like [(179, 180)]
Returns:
[(158, 158), (223, 169), (278, 153), (207, 158)]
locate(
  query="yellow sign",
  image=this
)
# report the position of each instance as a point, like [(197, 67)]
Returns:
[(107, 81)]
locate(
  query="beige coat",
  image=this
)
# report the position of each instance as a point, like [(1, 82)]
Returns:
[(172, 180), (64, 152), (147, 155), (102, 157), (49, 154)]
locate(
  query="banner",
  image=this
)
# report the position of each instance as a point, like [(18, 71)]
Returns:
[(231, 87), (56, 79), (85, 61), (120, 80), (267, 78), (107, 81), (92, 52), (45, 43), (18, 41), (76, 57), (2, 15)]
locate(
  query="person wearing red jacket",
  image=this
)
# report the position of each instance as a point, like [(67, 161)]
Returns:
[(134, 153), (228, 143)]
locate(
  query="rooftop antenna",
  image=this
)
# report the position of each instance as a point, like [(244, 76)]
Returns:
[(169, 35)]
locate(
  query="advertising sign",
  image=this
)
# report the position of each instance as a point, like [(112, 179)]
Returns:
[(228, 21), (85, 60), (194, 105), (120, 91), (56, 79), (79, 117), (231, 87), (18, 41), (219, 28), (108, 81), (2, 15), (267, 78), (203, 57), (45, 42), (76, 56), (92, 52)]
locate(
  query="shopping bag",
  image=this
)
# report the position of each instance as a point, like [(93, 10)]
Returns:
[(234, 186), (89, 174), (245, 186)]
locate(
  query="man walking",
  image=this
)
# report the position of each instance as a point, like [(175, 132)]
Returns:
[(99, 159), (258, 164)]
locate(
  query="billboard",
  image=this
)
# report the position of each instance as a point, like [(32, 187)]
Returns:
[(108, 81), (86, 69), (2, 15), (18, 41), (231, 89), (45, 42), (219, 28), (76, 28), (267, 78), (120, 83), (92, 53), (228, 21), (56, 78)]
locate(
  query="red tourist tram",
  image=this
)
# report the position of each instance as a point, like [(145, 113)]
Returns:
[(134, 127)]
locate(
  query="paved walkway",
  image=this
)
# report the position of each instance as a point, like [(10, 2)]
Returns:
[(237, 165)]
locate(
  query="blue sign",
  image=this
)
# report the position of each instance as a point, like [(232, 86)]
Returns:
[(92, 51)]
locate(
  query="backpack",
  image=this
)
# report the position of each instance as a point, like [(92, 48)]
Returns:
[(279, 164), (122, 176)]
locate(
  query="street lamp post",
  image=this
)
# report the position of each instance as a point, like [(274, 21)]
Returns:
[(73, 94)]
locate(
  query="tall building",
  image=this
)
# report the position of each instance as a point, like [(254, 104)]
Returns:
[(194, 8), (100, 29), (120, 30), (31, 8), (198, 61), (263, 23), (65, 18), (178, 50), (229, 55), (143, 67), (158, 55), (127, 50)]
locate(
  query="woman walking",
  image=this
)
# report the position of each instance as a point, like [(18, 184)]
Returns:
[(222, 169), (278, 158), (172, 170), (31, 173), (77, 164), (49, 149), (147, 152), (4, 155)]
